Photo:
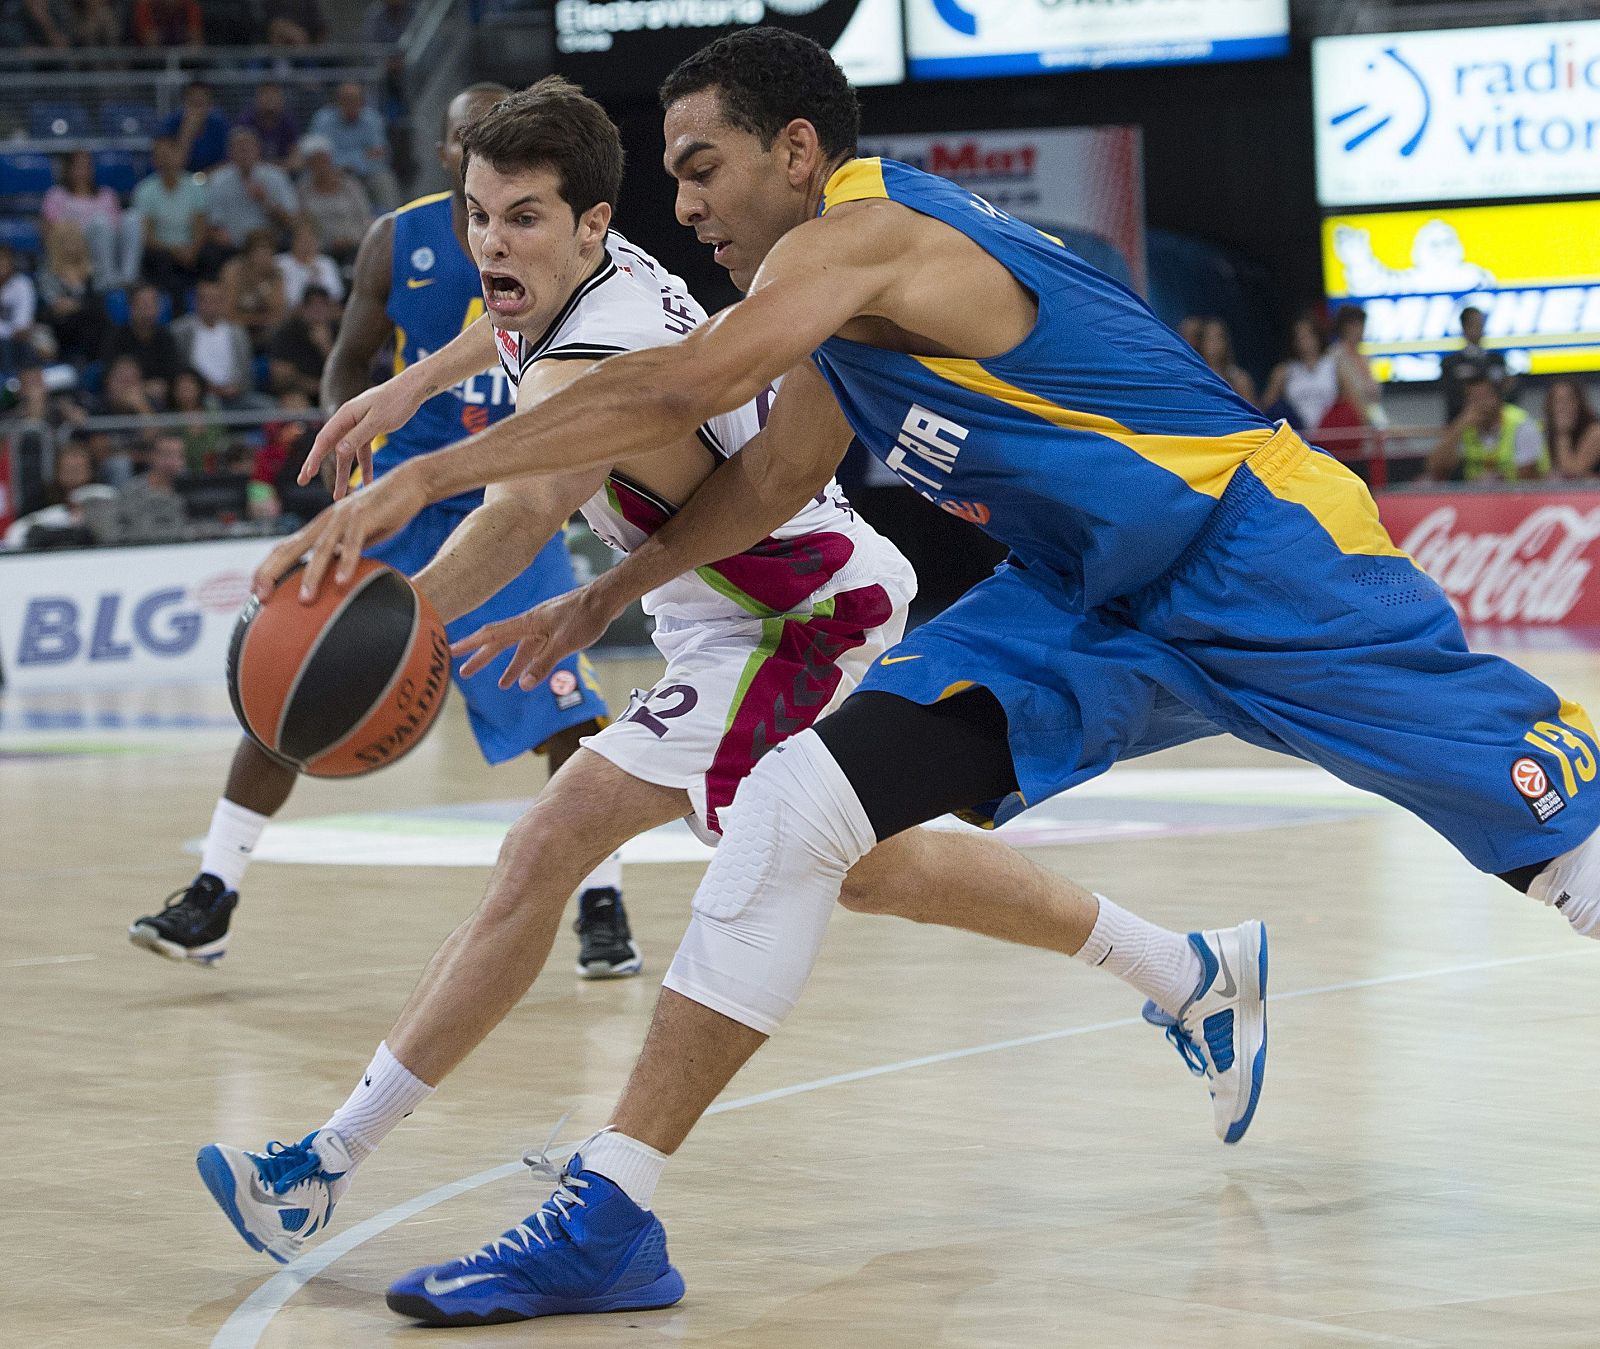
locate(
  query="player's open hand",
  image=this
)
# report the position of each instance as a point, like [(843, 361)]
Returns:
[(543, 637), (337, 536), (348, 435)]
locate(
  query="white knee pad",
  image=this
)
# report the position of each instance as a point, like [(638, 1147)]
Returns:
[(1571, 884), (793, 831)]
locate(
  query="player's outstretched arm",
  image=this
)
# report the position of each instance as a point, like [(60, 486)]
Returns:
[(755, 492), (495, 542), (818, 277)]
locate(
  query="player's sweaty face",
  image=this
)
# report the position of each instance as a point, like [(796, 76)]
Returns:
[(733, 192), (526, 243)]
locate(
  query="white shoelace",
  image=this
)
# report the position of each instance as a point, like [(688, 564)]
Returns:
[(536, 1229)]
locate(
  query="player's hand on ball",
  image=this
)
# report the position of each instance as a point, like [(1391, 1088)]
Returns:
[(337, 536), (348, 435), (543, 637)]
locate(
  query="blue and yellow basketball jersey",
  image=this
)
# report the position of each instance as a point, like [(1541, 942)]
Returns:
[(435, 292), (1095, 449)]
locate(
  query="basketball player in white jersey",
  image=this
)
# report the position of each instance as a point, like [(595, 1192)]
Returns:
[(757, 647)]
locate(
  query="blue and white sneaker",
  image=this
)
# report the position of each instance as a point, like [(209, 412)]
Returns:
[(588, 1249), (1221, 1032), (277, 1198)]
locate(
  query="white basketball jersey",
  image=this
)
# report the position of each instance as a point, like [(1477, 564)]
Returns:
[(630, 304)]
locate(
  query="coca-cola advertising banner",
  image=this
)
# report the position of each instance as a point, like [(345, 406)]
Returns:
[(1511, 557)]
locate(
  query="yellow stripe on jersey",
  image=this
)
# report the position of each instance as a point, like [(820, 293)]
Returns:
[(1337, 499), (858, 180), (1206, 463), (421, 201)]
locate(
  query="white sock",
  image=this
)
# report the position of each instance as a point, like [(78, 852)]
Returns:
[(1571, 884), (233, 836), (386, 1094), (606, 876), (633, 1167), (1160, 964)]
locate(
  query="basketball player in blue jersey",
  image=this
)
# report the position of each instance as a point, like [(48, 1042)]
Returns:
[(1180, 567), (416, 286)]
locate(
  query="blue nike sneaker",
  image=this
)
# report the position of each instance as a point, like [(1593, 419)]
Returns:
[(277, 1198), (588, 1249), (1221, 1032)]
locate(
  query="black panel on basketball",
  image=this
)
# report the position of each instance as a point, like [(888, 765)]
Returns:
[(353, 663)]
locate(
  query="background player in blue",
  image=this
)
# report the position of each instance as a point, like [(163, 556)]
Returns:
[(416, 283), (1180, 567)]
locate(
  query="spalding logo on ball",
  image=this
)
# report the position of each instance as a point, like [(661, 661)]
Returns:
[(346, 684)]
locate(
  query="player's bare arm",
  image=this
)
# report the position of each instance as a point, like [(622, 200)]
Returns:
[(748, 497), (363, 332), (517, 518), (819, 277)]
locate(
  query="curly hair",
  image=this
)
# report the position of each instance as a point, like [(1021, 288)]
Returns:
[(554, 125), (768, 77)]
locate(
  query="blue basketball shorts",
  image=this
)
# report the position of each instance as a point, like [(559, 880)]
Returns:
[(506, 722), (1294, 623)]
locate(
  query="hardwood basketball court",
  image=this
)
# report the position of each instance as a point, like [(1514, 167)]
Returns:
[(952, 1142)]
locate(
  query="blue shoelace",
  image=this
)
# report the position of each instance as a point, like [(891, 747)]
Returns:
[(285, 1165)]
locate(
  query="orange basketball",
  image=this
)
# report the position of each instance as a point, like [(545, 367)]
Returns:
[(345, 685)]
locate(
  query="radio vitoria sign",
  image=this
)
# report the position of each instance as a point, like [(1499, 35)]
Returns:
[(1457, 115)]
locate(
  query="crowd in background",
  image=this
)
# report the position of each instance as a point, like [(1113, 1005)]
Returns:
[(1325, 389), (214, 285)]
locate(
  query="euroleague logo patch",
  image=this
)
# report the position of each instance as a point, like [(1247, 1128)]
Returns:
[(564, 686), (1533, 784)]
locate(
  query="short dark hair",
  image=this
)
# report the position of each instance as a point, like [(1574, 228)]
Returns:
[(1348, 317), (1471, 309), (767, 78), (487, 87), (552, 124)]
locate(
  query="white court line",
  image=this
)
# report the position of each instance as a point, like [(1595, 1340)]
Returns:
[(249, 1321), (45, 960)]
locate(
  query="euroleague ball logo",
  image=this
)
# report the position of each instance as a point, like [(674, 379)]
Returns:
[(1529, 779)]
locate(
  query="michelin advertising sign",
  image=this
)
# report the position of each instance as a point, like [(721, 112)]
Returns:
[(1533, 269), (1458, 115)]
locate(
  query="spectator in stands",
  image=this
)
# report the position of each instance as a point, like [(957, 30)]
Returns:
[(385, 21), (35, 23), (334, 200), (1359, 390), (1189, 329), (1303, 388), (247, 194), (294, 23), (172, 204), (1490, 439), (269, 117), (152, 347), (306, 265), (1571, 430), (200, 128), (1459, 367), (77, 513), (1215, 345), (69, 302), (123, 392), (254, 291), (205, 444), (277, 464), (30, 432), (216, 347), (300, 347), (167, 23), (19, 303), (360, 143), (115, 236), (96, 23), (149, 509)]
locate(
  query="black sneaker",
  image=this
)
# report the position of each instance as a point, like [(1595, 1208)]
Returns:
[(605, 946), (192, 924)]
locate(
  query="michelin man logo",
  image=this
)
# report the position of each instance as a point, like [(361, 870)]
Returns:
[(1399, 100), (1439, 264)]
